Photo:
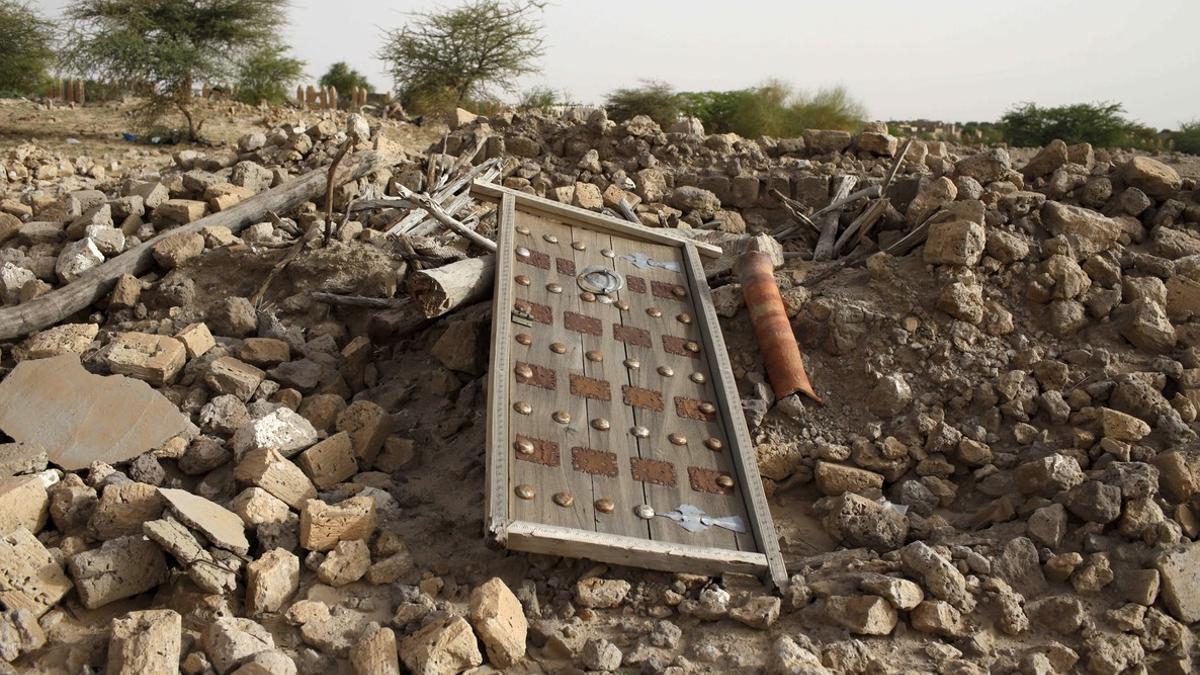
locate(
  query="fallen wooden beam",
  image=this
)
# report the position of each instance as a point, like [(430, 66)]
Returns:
[(440, 290), (53, 307)]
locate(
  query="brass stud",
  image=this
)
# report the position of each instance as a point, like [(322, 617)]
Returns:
[(640, 432), (677, 439), (523, 370), (608, 253), (679, 292), (725, 480), (521, 229), (558, 348), (707, 408), (579, 245), (524, 339), (587, 296), (522, 280), (693, 347), (684, 318), (554, 288), (601, 424), (550, 238), (525, 492), (654, 312), (621, 305), (666, 371), (523, 407), (714, 444), (561, 416), (563, 499), (522, 252), (524, 446), (605, 505), (632, 364), (698, 378), (594, 355), (604, 299), (644, 511)]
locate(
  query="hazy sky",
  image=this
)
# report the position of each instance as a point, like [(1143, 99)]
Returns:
[(938, 59)]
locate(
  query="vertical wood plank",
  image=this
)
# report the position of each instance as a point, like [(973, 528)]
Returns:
[(742, 448), (498, 376)]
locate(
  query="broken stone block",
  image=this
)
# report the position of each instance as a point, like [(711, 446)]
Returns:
[(20, 633), (862, 614), (69, 338), (835, 479), (1146, 326), (271, 471), (368, 426), (1087, 231), (902, 593), (76, 258), (825, 141), (196, 338), (938, 618), (228, 375), (122, 509), (941, 578), (391, 568), (955, 242), (303, 374), (1179, 572), (145, 642), (463, 347), (271, 581), (223, 415), (346, 563), (986, 167), (859, 521), (375, 652), (1151, 176), (322, 410), (759, 612), (256, 506), (397, 454), (209, 573), (446, 646), (235, 317), (323, 525), (177, 249), (180, 211), (156, 359), (329, 462), (20, 458), (222, 527), (120, 568), (12, 280), (283, 430), (30, 578), (500, 622), (265, 352), (599, 593), (1048, 475), (230, 641), (600, 655), (24, 503)]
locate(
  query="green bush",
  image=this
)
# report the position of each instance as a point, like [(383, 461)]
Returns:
[(269, 75), (1187, 139), (656, 99), (1101, 124), (773, 109), (538, 99), (342, 77), (27, 51)]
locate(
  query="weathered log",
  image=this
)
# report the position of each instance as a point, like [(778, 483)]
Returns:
[(440, 290), (53, 307), (829, 222)]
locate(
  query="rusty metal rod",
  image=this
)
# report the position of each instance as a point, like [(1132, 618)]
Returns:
[(776, 341)]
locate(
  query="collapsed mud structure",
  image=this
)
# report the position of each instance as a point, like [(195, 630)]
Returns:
[(1002, 476)]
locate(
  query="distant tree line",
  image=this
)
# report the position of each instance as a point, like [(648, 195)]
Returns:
[(462, 56)]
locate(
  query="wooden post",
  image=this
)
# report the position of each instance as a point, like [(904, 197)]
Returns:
[(310, 96), (79, 98), (300, 97)]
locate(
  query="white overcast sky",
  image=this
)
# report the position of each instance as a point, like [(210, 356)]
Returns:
[(938, 59)]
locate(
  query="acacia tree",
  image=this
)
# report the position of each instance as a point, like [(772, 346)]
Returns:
[(466, 50), (28, 48), (167, 46), (342, 77), (268, 74)]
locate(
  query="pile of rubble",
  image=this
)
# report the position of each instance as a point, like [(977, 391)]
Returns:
[(1004, 477)]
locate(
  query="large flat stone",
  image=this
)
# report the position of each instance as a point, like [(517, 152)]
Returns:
[(222, 527), (1180, 570), (82, 418)]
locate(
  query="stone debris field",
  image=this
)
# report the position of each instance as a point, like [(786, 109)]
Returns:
[(237, 436)]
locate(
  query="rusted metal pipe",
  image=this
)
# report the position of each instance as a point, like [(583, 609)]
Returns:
[(780, 350)]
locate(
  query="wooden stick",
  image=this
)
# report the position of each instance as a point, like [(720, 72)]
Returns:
[(627, 212), (329, 188), (836, 205), (829, 222), (441, 289), (891, 174), (864, 221), (359, 300), (53, 307), (429, 204)]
